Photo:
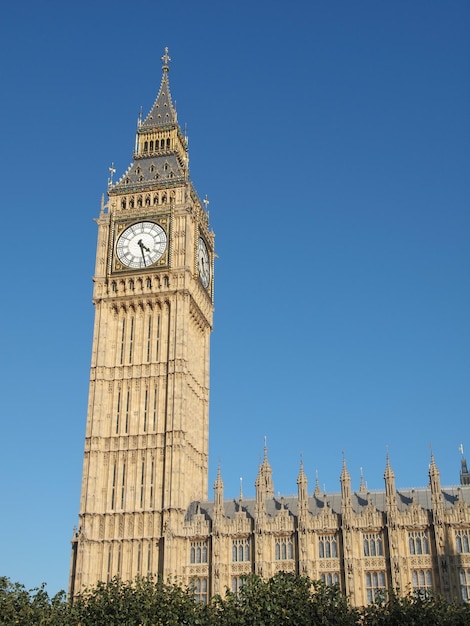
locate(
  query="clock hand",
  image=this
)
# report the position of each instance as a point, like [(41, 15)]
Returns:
[(143, 247)]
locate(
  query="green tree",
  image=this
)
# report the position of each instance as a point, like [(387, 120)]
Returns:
[(142, 602), (34, 607), (283, 599), (415, 610)]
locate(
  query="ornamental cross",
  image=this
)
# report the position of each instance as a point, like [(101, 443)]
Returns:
[(112, 170), (166, 58)]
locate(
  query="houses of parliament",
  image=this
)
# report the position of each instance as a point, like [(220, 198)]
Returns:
[(145, 507)]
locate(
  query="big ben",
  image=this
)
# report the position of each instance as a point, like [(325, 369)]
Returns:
[(146, 442)]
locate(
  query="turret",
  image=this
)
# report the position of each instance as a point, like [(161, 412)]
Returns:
[(464, 473), (390, 489), (302, 488), (218, 495), (345, 479)]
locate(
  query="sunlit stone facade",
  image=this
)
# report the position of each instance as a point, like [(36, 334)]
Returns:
[(144, 505)]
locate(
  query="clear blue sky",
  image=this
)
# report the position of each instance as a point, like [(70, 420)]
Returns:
[(332, 139)]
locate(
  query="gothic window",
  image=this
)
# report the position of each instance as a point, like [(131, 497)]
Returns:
[(113, 487), (147, 200), (139, 199), (113, 286), (123, 203), (462, 541), (155, 199), (142, 485), (375, 585), (330, 578), (422, 582), (284, 549), (123, 337), (146, 402), (198, 552), (237, 583), (200, 589), (327, 547), (110, 562), (127, 411), (151, 146), (131, 201), (123, 485), (152, 469), (418, 542), (146, 146), (131, 334), (139, 558), (464, 578), (154, 408), (149, 339), (373, 545), (240, 550), (168, 144), (163, 198), (149, 283), (162, 144), (157, 337), (118, 411)]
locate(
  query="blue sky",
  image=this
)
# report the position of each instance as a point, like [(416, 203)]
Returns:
[(332, 139)]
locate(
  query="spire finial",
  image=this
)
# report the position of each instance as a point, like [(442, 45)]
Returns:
[(461, 449), (112, 170), (166, 59), (206, 203), (240, 497), (363, 484)]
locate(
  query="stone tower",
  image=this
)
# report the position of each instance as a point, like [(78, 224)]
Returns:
[(146, 444)]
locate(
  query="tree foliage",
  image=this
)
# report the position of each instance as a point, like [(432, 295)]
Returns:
[(283, 599)]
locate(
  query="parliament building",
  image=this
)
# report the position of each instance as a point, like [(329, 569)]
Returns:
[(144, 506)]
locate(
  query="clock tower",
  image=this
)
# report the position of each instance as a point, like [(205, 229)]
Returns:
[(146, 443)]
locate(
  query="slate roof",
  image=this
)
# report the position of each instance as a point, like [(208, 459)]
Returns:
[(163, 169), (405, 497)]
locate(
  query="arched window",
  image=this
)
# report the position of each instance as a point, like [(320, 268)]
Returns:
[(418, 542), (146, 146), (151, 146), (284, 549), (168, 143), (123, 203)]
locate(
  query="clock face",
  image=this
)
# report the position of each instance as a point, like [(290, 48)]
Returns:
[(141, 245), (203, 264)]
